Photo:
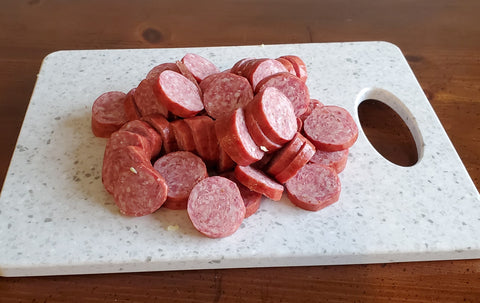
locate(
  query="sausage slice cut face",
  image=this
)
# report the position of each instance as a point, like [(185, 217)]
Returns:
[(330, 128), (182, 170), (274, 114), (314, 187), (216, 207), (139, 189), (178, 94), (108, 113)]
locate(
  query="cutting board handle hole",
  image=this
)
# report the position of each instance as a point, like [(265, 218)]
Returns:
[(389, 126)]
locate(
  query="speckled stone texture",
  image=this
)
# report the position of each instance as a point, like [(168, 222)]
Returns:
[(56, 218)]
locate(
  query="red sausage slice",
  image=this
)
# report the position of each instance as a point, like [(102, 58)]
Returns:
[(224, 161), (306, 153), (314, 103), (256, 70), (257, 181), (274, 114), (299, 124), (203, 132), (187, 73), (238, 67), (250, 198), (213, 146), (206, 82), (215, 207), (124, 138), (157, 70), (225, 93), (262, 141), (235, 140), (292, 87), (139, 189), (298, 65), (182, 171), (131, 109), (146, 101), (286, 155), (330, 128), (336, 160), (199, 66), (162, 126), (314, 187), (144, 129), (108, 113), (112, 158), (288, 65), (178, 94), (183, 135)]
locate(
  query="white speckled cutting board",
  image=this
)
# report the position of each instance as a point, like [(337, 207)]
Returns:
[(56, 218)]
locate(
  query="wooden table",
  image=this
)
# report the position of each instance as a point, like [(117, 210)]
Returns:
[(440, 39)]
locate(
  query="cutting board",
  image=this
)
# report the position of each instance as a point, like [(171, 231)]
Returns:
[(56, 218)]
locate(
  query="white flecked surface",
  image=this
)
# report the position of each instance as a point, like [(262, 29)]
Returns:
[(56, 218)]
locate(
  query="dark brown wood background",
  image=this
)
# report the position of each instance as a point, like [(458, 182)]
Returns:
[(440, 39)]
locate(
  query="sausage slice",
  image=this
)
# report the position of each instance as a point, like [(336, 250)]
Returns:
[(215, 207)]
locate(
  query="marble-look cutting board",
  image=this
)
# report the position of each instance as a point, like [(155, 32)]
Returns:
[(56, 218)]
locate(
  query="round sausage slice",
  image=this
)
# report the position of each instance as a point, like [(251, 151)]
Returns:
[(224, 161), (225, 93), (299, 124), (262, 141), (139, 189), (298, 65), (336, 160), (205, 138), (284, 156), (215, 207), (330, 128), (178, 94), (213, 148), (131, 109), (257, 181), (108, 113), (187, 73), (199, 66), (250, 198), (292, 87), (238, 67), (146, 100), (157, 70), (256, 70), (288, 65), (301, 158), (183, 135), (162, 126), (124, 138), (274, 114), (206, 82), (314, 103), (114, 159), (182, 171), (144, 129), (235, 140), (314, 187)]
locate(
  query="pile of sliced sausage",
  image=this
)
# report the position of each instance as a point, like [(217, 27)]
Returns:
[(192, 137)]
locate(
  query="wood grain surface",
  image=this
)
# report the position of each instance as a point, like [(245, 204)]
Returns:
[(439, 38)]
